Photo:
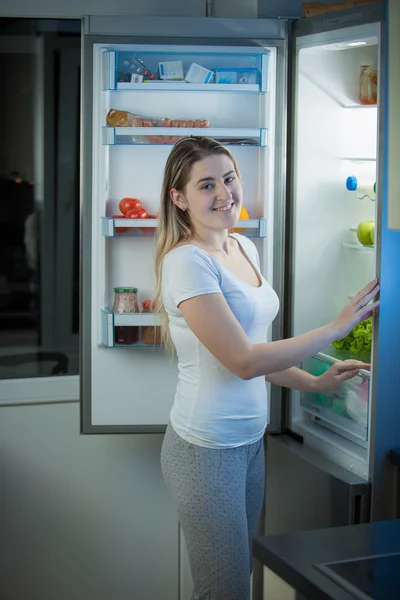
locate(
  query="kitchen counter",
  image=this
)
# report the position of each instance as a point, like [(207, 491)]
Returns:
[(292, 557)]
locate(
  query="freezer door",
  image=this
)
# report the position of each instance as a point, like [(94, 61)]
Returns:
[(305, 491)]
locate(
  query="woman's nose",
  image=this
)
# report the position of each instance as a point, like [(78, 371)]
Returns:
[(223, 192)]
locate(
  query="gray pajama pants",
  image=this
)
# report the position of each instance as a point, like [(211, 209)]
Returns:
[(219, 495)]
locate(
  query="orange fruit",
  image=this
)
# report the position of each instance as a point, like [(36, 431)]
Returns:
[(244, 216)]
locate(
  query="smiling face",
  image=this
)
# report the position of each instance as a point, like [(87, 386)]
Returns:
[(212, 195)]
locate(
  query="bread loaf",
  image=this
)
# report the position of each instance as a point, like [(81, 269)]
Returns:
[(123, 118)]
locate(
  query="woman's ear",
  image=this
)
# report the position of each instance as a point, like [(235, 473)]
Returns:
[(178, 199)]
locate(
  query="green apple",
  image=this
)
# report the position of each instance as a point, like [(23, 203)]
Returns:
[(364, 232), (372, 234)]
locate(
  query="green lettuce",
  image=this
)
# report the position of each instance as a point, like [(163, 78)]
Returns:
[(358, 341)]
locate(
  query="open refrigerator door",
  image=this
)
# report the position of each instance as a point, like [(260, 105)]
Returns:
[(336, 227), (139, 99), (324, 466)]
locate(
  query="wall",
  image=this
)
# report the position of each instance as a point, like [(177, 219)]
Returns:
[(282, 8), (76, 8)]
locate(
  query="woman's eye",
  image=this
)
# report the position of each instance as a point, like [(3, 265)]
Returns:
[(207, 186), (229, 179)]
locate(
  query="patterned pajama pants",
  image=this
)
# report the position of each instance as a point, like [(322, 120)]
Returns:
[(219, 495)]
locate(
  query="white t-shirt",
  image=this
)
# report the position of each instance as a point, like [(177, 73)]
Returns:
[(213, 407)]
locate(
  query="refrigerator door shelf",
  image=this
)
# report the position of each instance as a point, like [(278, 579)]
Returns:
[(245, 71), (183, 86), (346, 408), (151, 136), (255, 228), (109, 320)]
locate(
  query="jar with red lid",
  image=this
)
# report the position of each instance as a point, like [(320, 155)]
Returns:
[(126, 302), (151, 335), (368, 85)]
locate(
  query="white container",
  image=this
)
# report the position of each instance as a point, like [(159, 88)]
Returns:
[(362, 187), (198, 74)]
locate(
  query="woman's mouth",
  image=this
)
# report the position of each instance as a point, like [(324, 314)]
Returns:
[(225, 207)]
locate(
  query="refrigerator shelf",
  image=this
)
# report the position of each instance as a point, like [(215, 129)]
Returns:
[(256, 228), (328, 416), (109, 320), (233, 67), (358, 246), (161, 136), (183, 86), (347, 407), (359, 159)]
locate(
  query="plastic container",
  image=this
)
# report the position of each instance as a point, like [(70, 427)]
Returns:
[(368, 85), (150, 335), (125, 302), (362, 188)]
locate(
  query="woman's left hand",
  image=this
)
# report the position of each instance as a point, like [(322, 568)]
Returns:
[(339, 372)]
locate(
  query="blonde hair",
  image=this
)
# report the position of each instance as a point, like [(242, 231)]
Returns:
[(175, 225)]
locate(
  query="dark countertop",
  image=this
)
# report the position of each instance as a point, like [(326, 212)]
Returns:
[(292, 556)]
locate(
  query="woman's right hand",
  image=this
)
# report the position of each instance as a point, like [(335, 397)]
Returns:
[(357, 310)]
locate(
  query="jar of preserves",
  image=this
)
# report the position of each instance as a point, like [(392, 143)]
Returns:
[(368, 85), (151, 335), (126, 302)]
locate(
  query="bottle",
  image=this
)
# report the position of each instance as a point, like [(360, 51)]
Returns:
[(151, 335), (126, 302), (368, 85), (362, 188)]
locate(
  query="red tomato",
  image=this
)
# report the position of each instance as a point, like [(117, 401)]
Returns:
[(128, 204), (120, 229), (137, 213)]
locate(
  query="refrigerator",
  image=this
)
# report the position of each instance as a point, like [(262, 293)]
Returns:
[(284, 97)]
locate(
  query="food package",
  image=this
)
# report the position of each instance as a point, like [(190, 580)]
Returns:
[(356, 400), (123, 118)]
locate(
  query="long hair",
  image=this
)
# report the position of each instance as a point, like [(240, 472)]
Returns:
[(175, 225)]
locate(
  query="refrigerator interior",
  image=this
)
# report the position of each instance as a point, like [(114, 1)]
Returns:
[(135, 385), (335, 138)]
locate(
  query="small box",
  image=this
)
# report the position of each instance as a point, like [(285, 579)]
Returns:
[(198, 74), (135, 78), (236, 76), (171, 70)]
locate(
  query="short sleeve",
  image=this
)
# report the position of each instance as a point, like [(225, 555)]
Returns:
[(187, 272)]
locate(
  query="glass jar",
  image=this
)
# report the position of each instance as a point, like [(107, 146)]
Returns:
[(126, 302), (151, 335), (368, 85)]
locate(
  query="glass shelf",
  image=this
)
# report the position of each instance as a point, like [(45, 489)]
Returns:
[(144, 70), (110, 320), (346, 408), (256, 228), (332, 354), (161, 136), (358, 159), (358, 246), (360, 106)]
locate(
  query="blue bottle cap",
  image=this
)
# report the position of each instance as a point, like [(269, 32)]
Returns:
[(351, 183)]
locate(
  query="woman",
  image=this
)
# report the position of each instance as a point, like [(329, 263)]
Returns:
[(216, 309)]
